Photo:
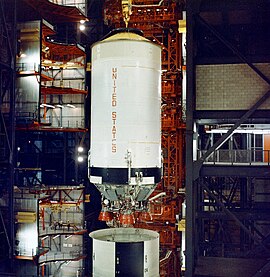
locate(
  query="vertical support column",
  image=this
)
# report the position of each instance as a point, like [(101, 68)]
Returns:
[(190, 194), (12, 132), (65, 158)]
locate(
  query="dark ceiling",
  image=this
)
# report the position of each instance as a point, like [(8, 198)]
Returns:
[(245, 24)]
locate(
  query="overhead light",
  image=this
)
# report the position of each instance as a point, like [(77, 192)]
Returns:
[(71, 106), (80, 149), (42, 264), (44, 237), (47, 48), (23, 55), (68, 237), (56, 236), (80, 159), (82, 27), (47, 106), (82, 21), (59, 106)]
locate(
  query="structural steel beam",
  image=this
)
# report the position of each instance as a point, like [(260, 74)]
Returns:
[(260, 171), (7, 33), (241, 215), (262, 272), (228, 116), (192, 7), (234, 217)]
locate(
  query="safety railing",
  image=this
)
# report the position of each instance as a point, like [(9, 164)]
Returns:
[(71, 255), (27, 67), (65, 230), (64, 121), (237, 156)]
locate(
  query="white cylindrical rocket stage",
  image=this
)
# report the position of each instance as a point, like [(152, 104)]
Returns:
[(125, 252), (125, 116)]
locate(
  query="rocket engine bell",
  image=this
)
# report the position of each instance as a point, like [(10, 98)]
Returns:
[(125, 147)]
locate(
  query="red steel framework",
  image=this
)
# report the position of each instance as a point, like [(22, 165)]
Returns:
[(159, 22)]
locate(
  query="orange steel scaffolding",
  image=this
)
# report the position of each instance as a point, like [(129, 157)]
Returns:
[(159, 22)]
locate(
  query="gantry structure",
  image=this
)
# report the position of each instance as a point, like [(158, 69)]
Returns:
[(41, 126)]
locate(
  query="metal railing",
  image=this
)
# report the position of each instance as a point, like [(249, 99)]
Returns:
[(22, 67), (237, 156), (71, 255), (65, 121), (51, 231)]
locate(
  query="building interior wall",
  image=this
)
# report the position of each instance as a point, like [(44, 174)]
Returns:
[(229, 86)]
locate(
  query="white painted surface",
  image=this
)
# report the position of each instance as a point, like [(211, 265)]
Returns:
[(125, 98), (103, 258), (151, 258)]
